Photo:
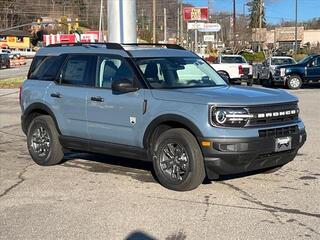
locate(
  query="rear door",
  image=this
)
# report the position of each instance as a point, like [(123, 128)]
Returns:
[(114, 117), (313, 69), (68, 96)]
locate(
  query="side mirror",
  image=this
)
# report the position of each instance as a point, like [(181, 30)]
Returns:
[(123, 86)]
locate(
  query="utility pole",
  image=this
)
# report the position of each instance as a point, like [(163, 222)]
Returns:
[(100, 22), (234, 23), (296, 30), (165, 25), (178, 26), (154, 21), (181, 23), (260, 23)]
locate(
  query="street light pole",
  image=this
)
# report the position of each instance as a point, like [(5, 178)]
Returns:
[(296, 29)]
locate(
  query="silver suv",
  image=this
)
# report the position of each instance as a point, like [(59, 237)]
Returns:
[(159, 103)]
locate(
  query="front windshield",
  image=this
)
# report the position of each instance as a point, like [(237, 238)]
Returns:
[(173, 72), (282, 61), (306, 59)]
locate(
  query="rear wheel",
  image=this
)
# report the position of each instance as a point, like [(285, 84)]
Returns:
[(43, 142), (294, 82), (178, 160)]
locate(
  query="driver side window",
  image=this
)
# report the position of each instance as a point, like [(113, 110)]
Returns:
[(112, 69), (316, 62)]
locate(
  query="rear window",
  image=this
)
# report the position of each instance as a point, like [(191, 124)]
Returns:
[(232, 59), (46, 68), (282, 61)]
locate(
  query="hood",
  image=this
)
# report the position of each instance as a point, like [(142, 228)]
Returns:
[(289, 65), (225, 95)]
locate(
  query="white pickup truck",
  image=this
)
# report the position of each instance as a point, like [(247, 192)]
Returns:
[(235, 68)]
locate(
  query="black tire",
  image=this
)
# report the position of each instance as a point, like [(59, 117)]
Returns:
[(42, 129), (187, 160), (250, 83), (294, 82)]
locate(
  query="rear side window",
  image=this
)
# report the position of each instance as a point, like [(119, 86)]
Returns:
[(233, 59), (79, 70), (46, 68)]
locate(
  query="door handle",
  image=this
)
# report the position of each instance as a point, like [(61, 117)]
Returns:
[(97, 99), (56, 95)]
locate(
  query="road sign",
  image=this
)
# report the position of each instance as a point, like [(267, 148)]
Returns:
[(195, 13), (210, 27), (208, 38), (195, 25)]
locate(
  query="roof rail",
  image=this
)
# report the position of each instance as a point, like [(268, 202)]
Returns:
[(108, 45), (167, 45)]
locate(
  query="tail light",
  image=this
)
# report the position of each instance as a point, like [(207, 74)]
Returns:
[(241, 72)]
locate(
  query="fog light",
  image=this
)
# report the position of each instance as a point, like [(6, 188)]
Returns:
[(237, 147)]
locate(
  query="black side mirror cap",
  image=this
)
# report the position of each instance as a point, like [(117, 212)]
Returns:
[(123, 86)]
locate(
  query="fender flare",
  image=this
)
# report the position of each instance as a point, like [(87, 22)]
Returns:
[(170, 118), (34, 107)]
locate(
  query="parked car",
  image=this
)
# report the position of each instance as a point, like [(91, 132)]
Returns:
[(162, 104), (264, 72), (4, 60), (235, 67), (295, 75)]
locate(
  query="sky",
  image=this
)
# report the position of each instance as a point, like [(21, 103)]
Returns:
[(276, 10)]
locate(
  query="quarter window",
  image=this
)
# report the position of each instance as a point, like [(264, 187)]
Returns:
[(46, 68)]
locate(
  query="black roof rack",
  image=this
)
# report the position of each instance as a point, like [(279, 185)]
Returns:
[(108, 45), (167, 45)]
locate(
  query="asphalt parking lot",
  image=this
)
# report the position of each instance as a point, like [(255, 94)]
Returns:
[(21, 71), (102, 197)]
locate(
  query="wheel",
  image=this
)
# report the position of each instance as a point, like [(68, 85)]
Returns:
[(294, 82), (8, 65), (250, 83), (178, 161), (43, 142)]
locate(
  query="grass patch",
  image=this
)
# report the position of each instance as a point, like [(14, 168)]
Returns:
[(254, 57), (11, 82)]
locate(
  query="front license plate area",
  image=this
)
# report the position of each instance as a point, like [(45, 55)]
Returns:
[(283, 144)]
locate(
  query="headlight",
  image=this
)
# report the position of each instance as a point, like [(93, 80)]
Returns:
[(282, 72), (229, 117)]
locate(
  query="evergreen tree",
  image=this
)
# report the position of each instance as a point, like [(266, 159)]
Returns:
[(254, 10)]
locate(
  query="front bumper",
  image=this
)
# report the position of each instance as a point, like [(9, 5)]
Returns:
[(249, 154), (278, 80), (243, 78)]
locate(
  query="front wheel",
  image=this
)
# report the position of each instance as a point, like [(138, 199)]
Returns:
[(43, 142), (294, 82), (178, 160)]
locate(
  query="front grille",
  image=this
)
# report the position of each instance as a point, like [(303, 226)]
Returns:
[(277, 72), (272, 114), (279, 132)]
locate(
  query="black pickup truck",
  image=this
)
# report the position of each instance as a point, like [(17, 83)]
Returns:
[(294, 75)]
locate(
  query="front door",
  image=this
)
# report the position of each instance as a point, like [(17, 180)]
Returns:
[(114, 117), (313, 70)]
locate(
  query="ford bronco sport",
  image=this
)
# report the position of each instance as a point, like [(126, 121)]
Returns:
[(159, 103)]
